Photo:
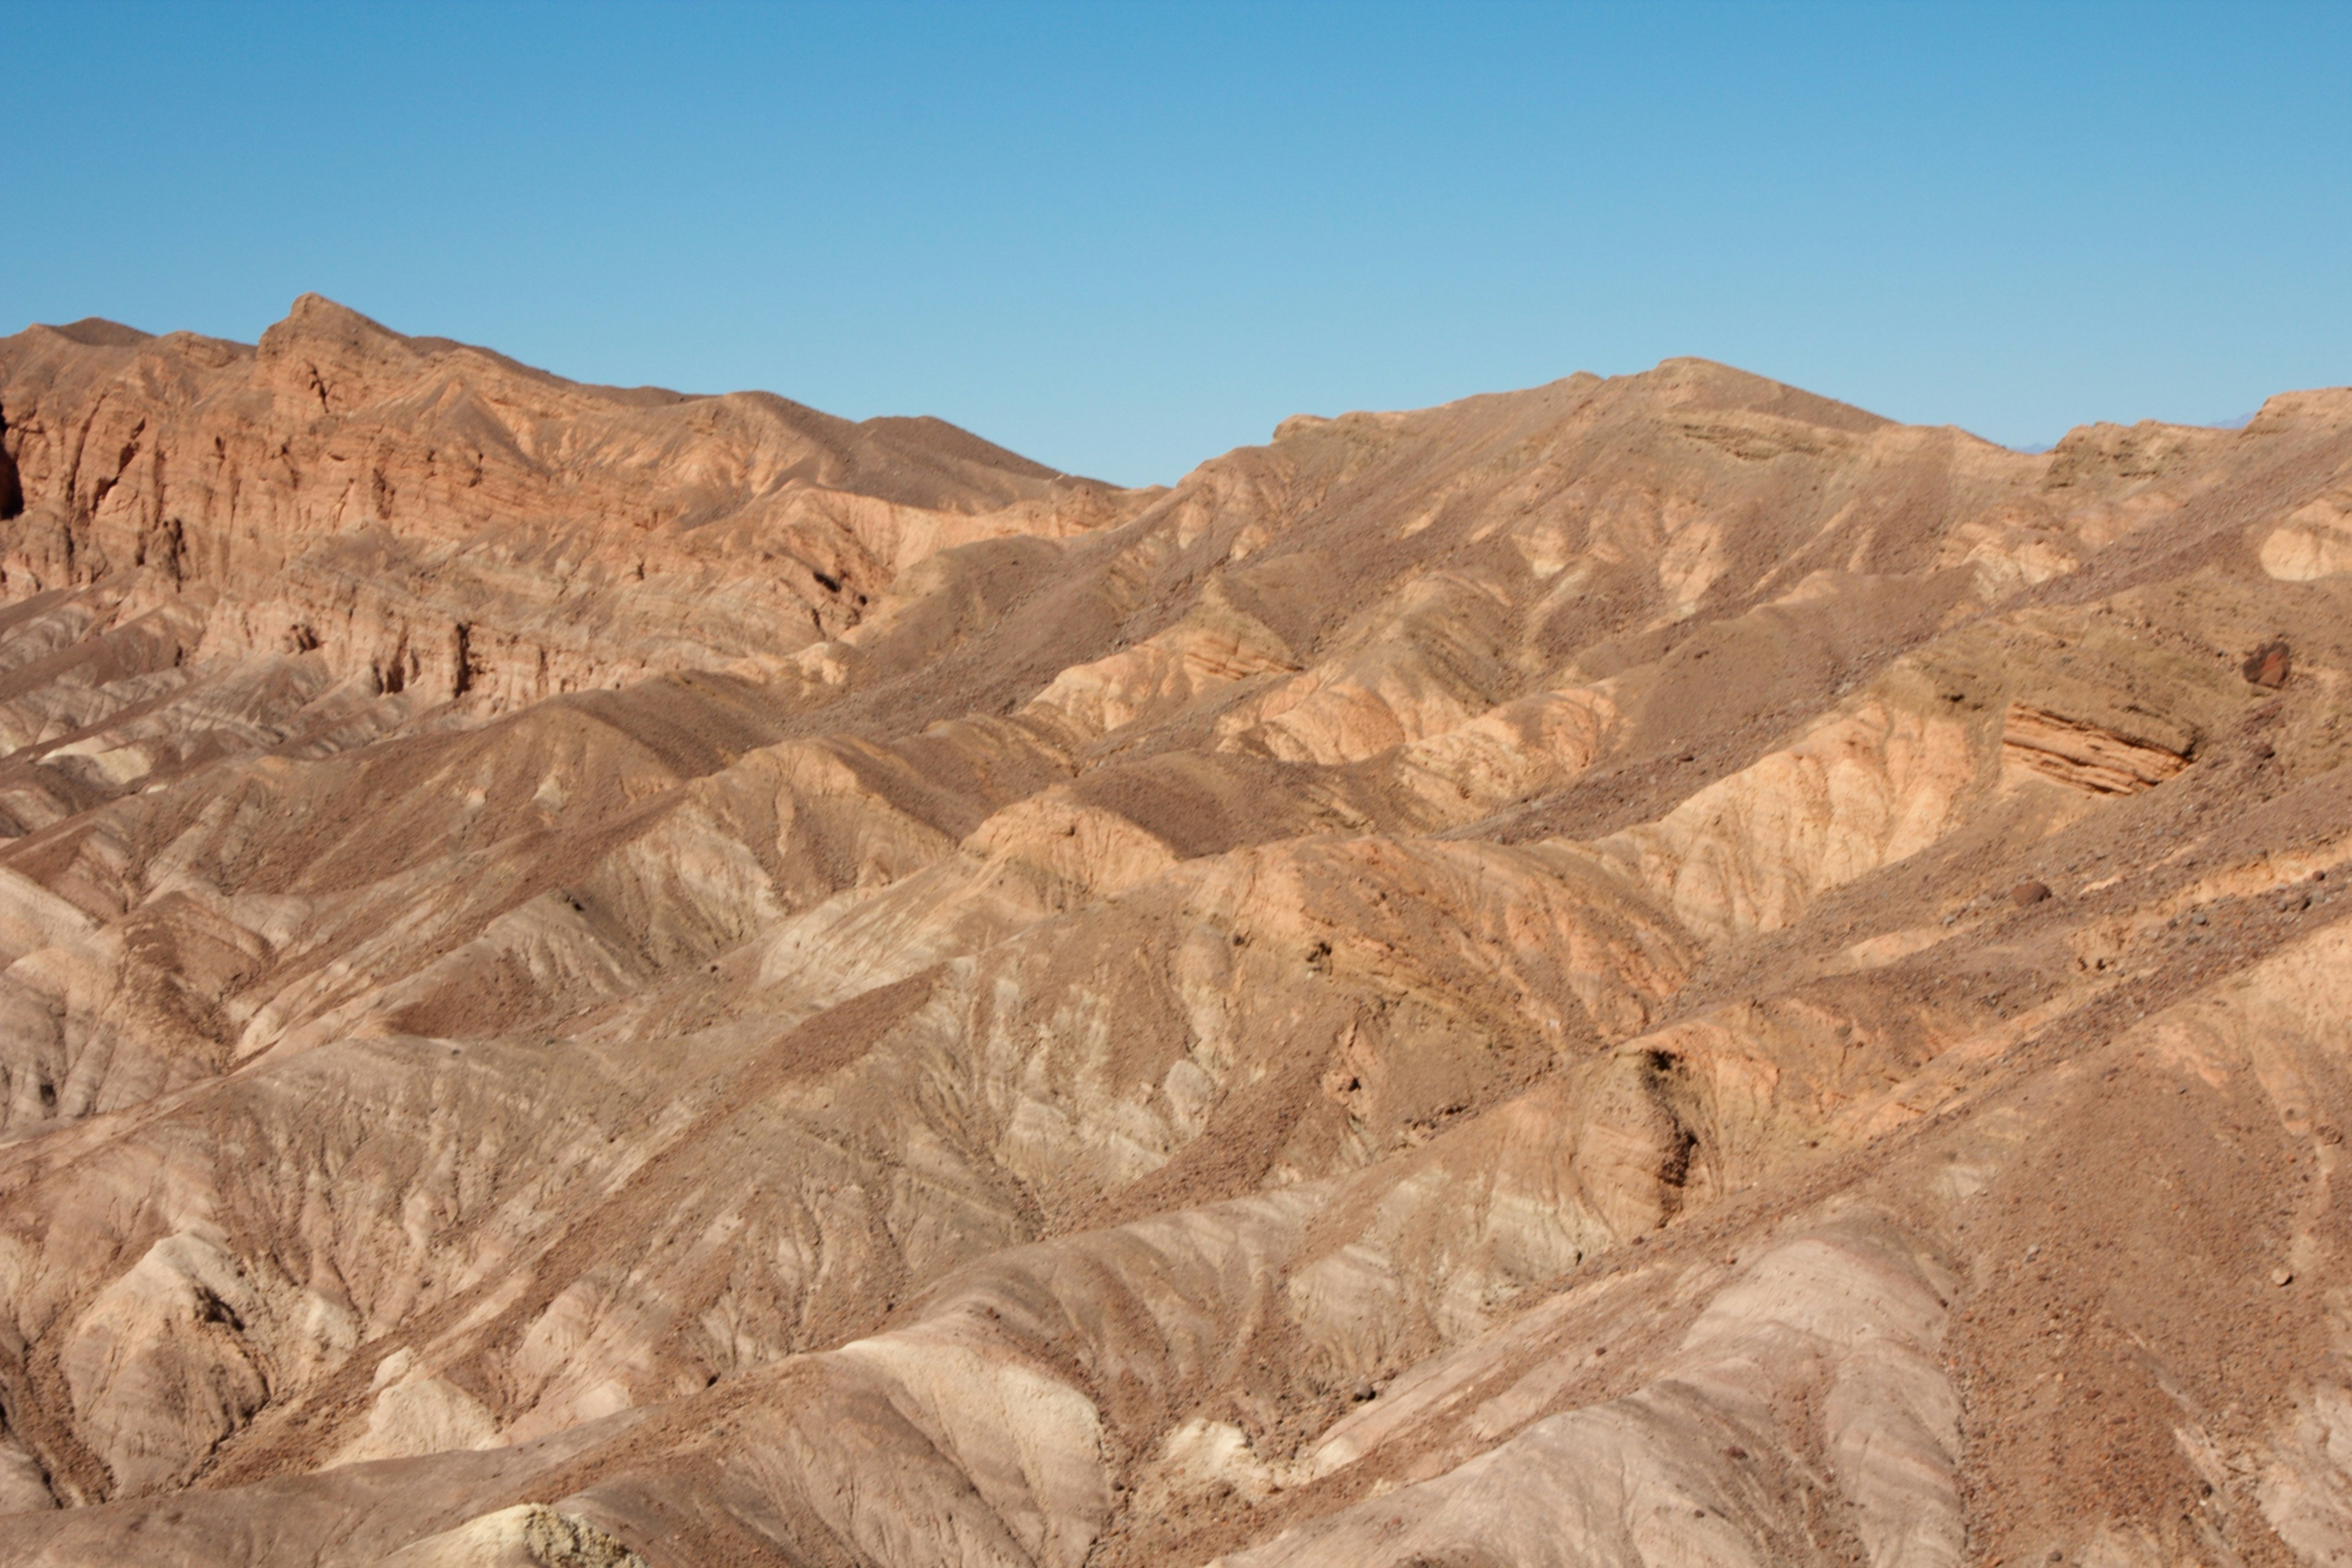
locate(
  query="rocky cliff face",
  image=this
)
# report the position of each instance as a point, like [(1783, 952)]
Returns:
[(428, 515), (1645, 971)]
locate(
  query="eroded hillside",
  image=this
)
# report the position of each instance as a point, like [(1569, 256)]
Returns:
[(1656, 970)]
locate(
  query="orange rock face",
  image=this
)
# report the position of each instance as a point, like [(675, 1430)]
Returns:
[(1644, 970)]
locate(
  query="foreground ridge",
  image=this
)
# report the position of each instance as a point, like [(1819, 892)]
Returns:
[(1651, 969)]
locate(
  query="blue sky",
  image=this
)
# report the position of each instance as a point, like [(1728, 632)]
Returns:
[(1123, 238)]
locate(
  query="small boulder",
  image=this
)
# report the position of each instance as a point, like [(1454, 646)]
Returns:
[(2029, 891), (2269, 665)]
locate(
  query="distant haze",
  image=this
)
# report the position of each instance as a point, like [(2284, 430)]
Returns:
[(1120, 239)]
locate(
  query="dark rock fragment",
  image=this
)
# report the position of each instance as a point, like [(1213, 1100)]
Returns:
[(2269, 665)]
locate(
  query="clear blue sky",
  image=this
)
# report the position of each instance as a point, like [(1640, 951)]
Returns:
[(1123, 238)]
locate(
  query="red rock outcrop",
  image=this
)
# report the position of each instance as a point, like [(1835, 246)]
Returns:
[(425, 513)]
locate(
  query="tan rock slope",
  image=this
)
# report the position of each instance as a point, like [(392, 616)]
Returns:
[(1655, 971)]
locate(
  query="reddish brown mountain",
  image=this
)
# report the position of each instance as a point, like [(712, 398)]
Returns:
[(1649, 971)]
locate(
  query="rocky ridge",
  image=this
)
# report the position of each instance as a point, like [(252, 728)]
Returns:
[(1657, 970)]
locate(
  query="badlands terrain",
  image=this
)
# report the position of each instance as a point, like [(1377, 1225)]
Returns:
[(1655, 971)]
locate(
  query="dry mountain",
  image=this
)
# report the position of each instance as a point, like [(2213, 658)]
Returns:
[(1647, 972)]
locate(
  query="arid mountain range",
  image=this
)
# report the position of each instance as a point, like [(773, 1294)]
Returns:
[(1657, 972)]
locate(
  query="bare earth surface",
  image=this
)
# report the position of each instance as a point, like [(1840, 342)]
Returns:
[(1655, 971)]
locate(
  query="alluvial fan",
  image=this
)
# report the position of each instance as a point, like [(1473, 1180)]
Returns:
[(1651, 971)]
